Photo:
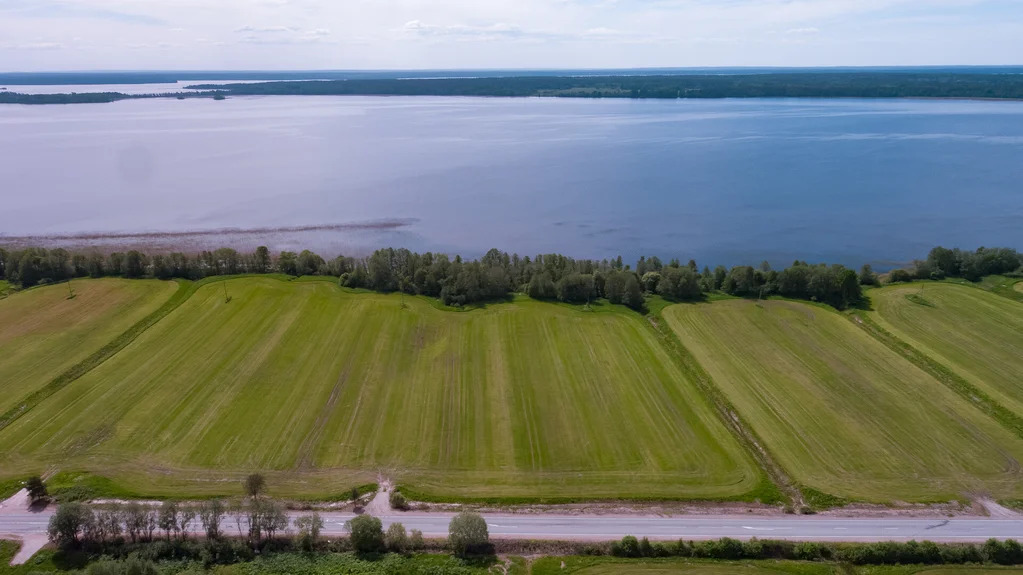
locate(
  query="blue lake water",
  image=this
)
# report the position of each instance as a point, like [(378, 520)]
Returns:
[(722, 181)]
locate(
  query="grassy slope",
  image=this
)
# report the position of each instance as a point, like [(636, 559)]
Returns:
[(325, 389), (841, 412), (42, 332), (1004, 286), (979, 335)]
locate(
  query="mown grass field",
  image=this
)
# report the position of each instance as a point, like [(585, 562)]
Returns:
[(615, 566), (42, 332), (841, 412), (977, 334), (324, 390)]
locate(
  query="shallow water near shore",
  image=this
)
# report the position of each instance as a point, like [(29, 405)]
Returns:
[(721, 181)]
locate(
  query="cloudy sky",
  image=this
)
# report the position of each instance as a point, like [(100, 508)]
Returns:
[(410, 34)]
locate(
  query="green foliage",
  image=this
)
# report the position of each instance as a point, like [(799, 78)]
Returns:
[(309, 527), (397, 500), (255, 484), (468, 535), (36, 488), (68, 523), (919, 299), (367, 534), (818, 500), (396, 539)]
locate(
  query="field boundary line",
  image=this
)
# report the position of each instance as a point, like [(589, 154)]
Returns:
[(751, 442), (971, 393), (185, 290)]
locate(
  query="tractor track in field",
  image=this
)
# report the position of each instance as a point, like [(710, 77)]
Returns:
[(305, 451), (185, 291), (942, 373), (727, 412)]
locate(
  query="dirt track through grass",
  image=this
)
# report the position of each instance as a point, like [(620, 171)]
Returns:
[(325, 389), (977, 334), (841, 412), (42, 332)]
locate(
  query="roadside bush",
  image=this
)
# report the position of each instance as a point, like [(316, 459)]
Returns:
[(416, 541), (396, 538), (131, 566), (367, 534), (896, 276), (397, 501), (627, 547), (468, 535), (309, 527)]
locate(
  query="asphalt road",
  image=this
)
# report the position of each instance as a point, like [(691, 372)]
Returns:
[(605, 527)]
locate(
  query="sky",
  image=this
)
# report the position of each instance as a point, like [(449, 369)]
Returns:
[(57, 35)]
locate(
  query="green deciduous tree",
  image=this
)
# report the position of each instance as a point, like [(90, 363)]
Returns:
[(468, 534), (367, 534), (68, 524)]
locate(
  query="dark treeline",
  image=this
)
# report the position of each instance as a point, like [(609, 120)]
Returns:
[(956, 263), (755, 85), (789, 84), (1008, 552), (91, 97), (497, 274)]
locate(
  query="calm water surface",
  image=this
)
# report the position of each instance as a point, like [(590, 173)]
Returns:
[(725, 181)]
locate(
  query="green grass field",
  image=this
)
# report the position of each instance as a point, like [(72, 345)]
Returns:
[(324, 390), (841, 412), (614, 566), (977, 334), (42, 332)]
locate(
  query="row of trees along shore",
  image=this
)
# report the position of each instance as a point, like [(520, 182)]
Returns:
[(496, 275)]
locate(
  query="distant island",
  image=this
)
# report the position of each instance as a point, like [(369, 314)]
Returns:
[(953, 83)]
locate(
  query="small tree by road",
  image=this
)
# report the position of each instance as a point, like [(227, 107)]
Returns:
[(36, 489), (468, 535), (255, 484), (68, 524), (367, 533)]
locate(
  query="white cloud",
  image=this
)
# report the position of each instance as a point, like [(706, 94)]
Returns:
[(809, 31), (36, 46)]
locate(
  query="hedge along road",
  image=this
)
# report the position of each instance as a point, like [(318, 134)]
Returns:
[(840, 411), (323, 390), (976, 333), (43, 331)]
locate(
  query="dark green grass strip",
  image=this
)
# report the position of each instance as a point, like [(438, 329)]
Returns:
[(982, 401), (777, 486), (185, 290)]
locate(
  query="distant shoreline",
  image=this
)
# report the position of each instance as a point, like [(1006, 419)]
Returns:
[(923, 85)]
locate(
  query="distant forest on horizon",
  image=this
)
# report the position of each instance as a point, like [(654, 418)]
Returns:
[(950, 83)]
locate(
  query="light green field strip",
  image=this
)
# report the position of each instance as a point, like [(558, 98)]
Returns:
[(840, 411), (1018, 286), (42, 332), (977, 334), (609, 566), (298, 378)]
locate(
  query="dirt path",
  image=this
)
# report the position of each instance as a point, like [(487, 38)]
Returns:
[(380, 505), (997, 511)]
